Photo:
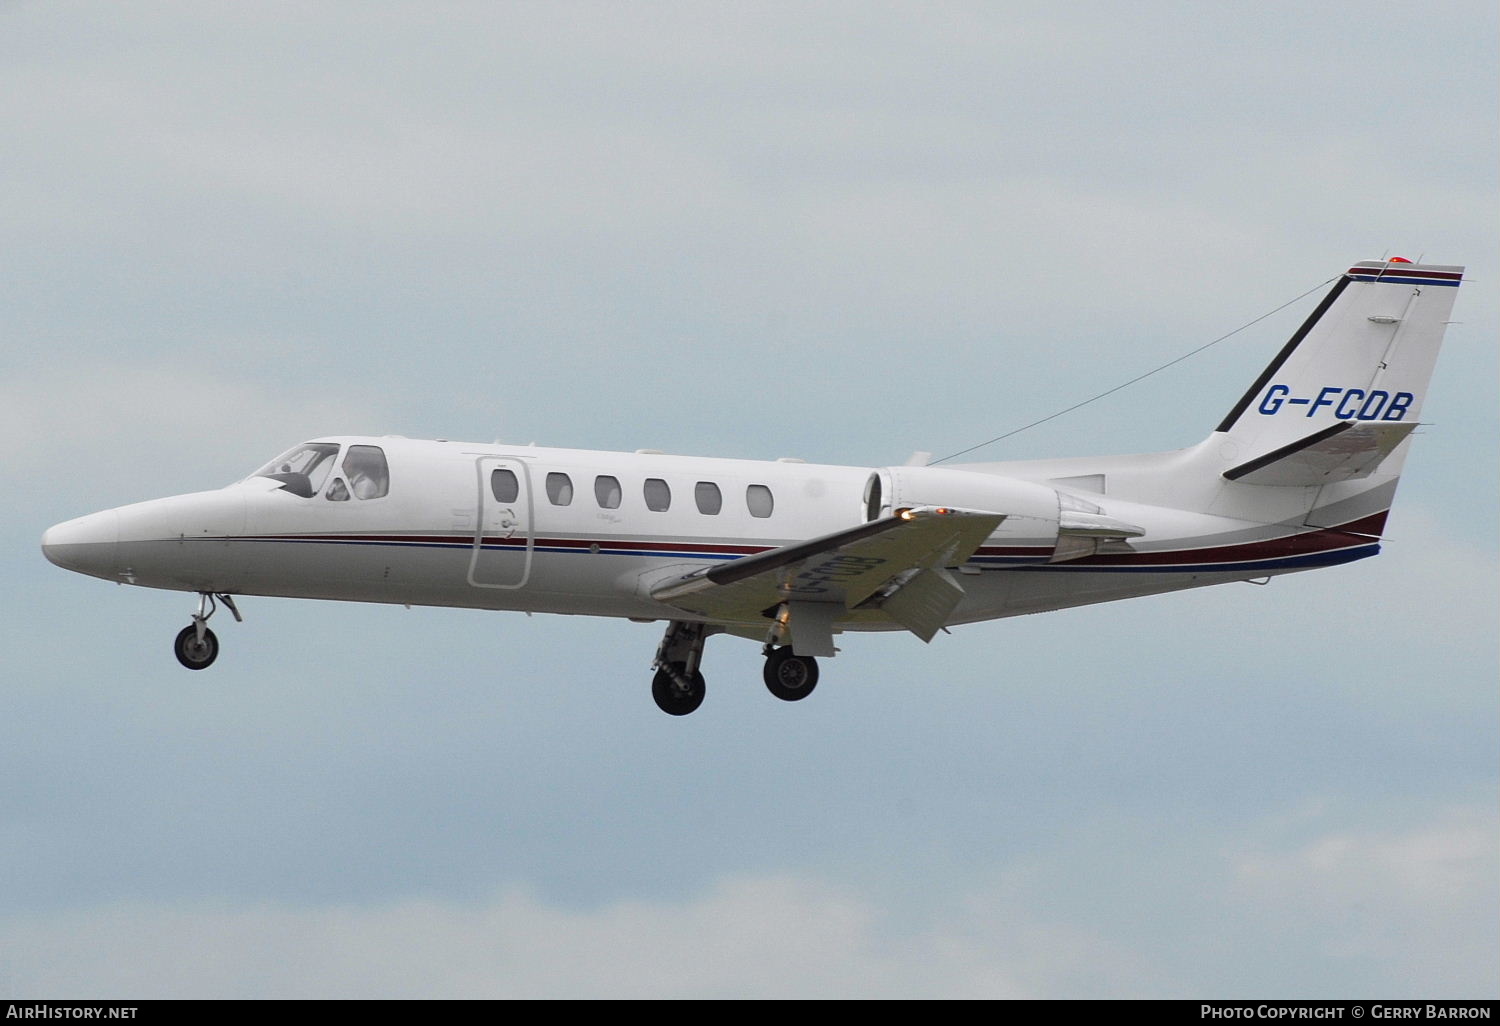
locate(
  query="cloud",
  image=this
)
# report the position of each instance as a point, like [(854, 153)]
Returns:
[(744, 938), (1403, 905), (1440, 865), (1417, 899)]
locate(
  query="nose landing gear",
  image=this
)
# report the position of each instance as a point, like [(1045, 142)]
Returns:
[(196, 646)]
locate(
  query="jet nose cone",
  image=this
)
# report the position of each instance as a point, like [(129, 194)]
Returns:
[(85, 545)]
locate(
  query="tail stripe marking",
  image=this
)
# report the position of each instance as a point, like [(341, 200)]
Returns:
[(1397, 274)]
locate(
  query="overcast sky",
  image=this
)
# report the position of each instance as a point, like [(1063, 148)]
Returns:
[(836, 231)]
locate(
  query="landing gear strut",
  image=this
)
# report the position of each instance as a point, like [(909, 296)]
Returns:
[(196, 646), (790, 677), (678, 686)]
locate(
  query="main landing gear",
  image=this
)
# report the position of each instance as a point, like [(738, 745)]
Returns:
[(678, 685), (790, 677), (196, 646)]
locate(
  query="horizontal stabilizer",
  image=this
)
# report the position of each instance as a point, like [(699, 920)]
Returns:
[(1346, 451)]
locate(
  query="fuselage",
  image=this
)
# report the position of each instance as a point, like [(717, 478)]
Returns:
[(591, 532), (468, 525)]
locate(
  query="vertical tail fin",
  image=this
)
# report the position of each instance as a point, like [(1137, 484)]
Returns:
[(1346, 390)]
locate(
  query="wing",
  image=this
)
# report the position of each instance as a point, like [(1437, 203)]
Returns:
[(894, 564)]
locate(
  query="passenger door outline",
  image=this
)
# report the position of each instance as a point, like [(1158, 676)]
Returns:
[(503, 530)]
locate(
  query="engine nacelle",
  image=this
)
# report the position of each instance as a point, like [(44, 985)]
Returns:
[(1029, 531), (1041, 524)]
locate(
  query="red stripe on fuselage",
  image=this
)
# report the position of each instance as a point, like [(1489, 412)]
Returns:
[(707, 548), (1353, 533)]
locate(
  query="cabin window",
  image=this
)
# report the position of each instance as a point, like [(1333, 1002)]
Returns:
[(559, 489), (706, 494), (607, 491), (369, 475), (760, 501), (504, 485), (658, 495)]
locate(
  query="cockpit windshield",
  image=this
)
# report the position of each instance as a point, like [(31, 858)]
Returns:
[(302, 470)]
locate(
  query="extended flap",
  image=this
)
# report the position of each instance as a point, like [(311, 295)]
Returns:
[(923, 604)]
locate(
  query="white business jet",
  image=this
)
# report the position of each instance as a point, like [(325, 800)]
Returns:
[(1299, 475)]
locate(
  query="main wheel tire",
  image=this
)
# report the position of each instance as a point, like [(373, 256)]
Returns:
[(670, 698), (790, 677), (195, 654)]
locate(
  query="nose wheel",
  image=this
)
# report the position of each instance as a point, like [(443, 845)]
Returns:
[(196, 646), (790, 677), (194, 649)]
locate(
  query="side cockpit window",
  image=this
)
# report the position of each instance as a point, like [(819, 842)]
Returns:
[(364, 475), (303, 470), (367, 472)]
